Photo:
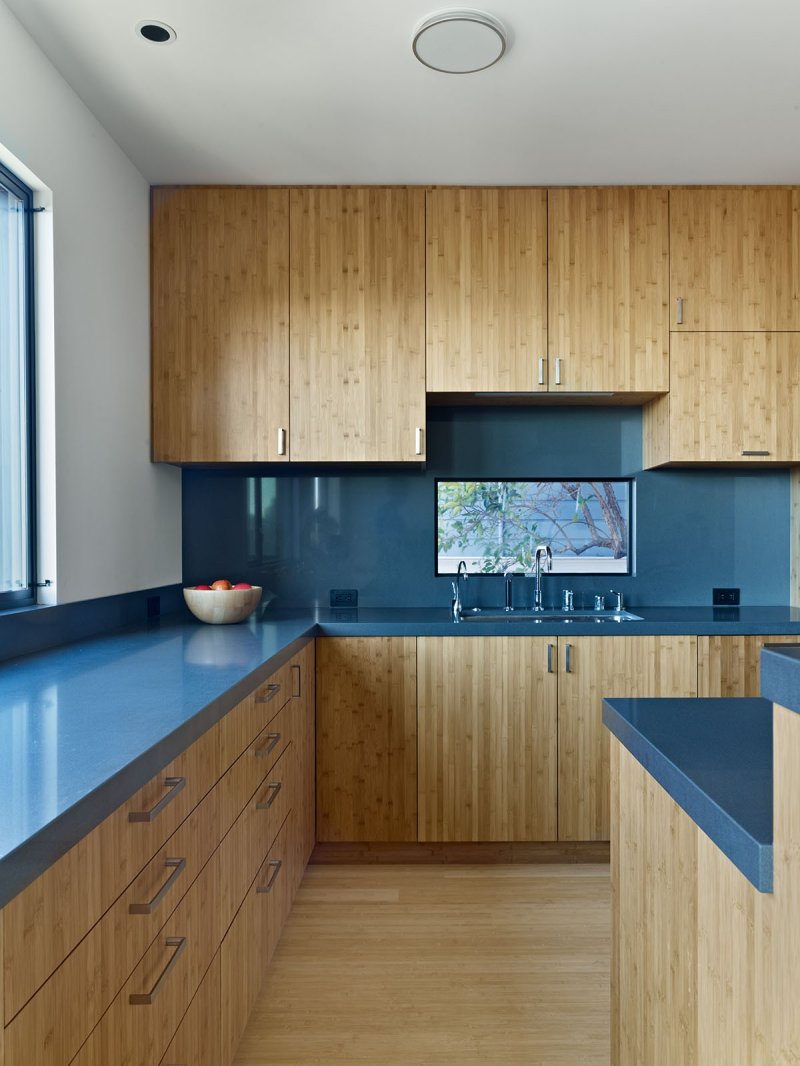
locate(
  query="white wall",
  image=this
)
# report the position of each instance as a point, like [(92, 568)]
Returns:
[(117, 518)]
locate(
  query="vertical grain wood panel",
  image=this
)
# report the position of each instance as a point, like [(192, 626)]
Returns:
[(357, 323), (730, 666), (198, 1039), (606, 667), (487, 739), (366, 738), (655, 433), (220, 323), (608, 289), (486, 309), (735, 258), (303, 801), (732, 392)]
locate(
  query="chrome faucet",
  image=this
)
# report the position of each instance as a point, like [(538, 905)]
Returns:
[(456, 605), (513, 568), (543, 552)]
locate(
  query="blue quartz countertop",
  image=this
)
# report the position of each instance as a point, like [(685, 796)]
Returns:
[(714, 758), (83, 726), (780, 675)]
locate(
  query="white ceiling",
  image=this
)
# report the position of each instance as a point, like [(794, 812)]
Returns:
[(327, 91)]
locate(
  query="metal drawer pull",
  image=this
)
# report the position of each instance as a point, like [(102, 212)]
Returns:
[(679, 301), (558, 371), (276, 865), (541, 370), (148, 908), (269, 693), (754, 453), (175, 785), (418, 440), (274, 788), (274, 739), (138, 999), (568, 664), (549, 658), (281, 441), (295, 681)]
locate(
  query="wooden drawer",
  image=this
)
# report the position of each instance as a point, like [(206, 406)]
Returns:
[(247, 773), (245, 950), (139, 1025), (197, 1041), (248, 719), (45, 921), (51, 1027), (282, 892), (243, 849)]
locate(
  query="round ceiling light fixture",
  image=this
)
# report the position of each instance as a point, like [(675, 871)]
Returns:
[(156, 32), (459, 42)]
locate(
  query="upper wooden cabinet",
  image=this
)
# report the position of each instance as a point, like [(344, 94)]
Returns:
[(220, 324), (358, 324), (608, 289), (487, 290), (735, 259), (734, 398)]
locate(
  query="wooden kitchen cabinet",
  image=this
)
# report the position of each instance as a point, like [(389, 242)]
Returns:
[(730, 666), (608, 290), (734, 398), (735, 258), (487, 738), (486, 309), (593, 668), (220, 324), (197, 1041), (357, 324), (366, 739)]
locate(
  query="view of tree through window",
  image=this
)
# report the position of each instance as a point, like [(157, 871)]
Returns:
[(492, 525)]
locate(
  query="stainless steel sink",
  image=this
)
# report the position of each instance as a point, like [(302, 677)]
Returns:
[(497, 614)]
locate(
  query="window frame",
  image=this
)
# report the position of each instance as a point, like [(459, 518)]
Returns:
[(26, 597)]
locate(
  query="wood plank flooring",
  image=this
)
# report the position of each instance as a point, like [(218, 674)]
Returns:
[(433, 965)]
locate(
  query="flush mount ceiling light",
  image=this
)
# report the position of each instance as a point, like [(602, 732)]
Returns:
[(459, 42), (156, 32)]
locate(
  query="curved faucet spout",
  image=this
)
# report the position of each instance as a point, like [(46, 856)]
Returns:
[(456, 586), (543, 554)]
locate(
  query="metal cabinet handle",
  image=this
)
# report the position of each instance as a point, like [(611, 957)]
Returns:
[(754, 453), (144, 999), (281, 441), (418, 441), (274, 788), (175, 785), (549, 658), (274, 740), (679, 301), (276, 869), (269, 693), (541, 370), (558, 370), (148, 908), (295, 681), (568, 663)]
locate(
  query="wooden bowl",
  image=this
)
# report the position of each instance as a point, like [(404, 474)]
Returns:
[(222, 606)]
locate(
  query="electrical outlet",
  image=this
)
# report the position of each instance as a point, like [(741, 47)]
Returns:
[(725, 597), (344, 597)]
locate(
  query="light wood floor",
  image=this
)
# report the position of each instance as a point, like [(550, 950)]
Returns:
[(419, 965)]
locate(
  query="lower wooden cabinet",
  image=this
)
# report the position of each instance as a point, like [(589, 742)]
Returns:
[(197, 1041), (730, 666), (487, 738)]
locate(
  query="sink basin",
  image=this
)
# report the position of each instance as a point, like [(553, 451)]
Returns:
[(497, 614)]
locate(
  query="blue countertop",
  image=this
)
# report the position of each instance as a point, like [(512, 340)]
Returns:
[(780, 676), (82, 727), (714, 758)]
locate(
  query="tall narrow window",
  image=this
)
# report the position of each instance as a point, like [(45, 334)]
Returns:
[(17, 559)]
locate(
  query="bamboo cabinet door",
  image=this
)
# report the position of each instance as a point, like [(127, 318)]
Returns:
[(735, 259), (487, 738), (486, 306), (593, 668), (358, 324), (731, 666), (734, 397), (220, 324), (608, 288)]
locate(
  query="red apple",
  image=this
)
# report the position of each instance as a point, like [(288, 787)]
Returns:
[(202, 588), (242, 585), (222, 583)]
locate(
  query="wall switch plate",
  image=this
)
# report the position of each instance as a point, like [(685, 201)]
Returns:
[(344, 597), (725, 597)]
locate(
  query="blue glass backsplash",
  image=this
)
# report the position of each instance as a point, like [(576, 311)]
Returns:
[(300, 535)]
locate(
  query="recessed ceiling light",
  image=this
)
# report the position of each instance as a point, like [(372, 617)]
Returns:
[(459, 42), (156, 32)]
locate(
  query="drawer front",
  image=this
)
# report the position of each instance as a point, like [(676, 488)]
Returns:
[(45, 921), (51, 1027), (245, 950), (247, 773), (243, 849), (279, 880), (139, 1025), (239, 728), (197, 1041)]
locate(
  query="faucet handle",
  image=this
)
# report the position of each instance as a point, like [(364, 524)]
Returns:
[(619, 604)]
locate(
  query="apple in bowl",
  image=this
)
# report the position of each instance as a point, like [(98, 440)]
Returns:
[(222, 603)]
